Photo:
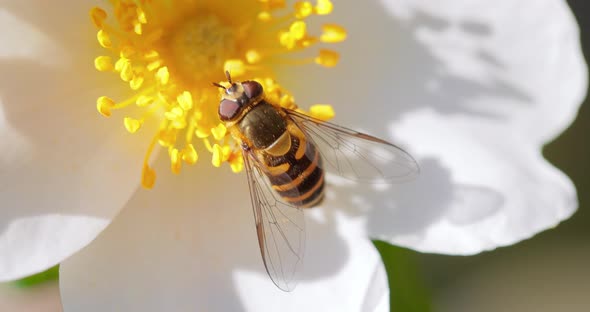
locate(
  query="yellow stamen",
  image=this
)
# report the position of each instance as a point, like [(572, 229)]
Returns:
[(298, 30), (189, 154), (202, 133), (98, 15), (104, 39), (175, 160), (219, 131), (333, 33), (327, 58), (103, 63), (163, 75), (253, 57), (322, 112), (132, 125), (148, 175), (236, 164), (185, 100), (126, 70), (236, 67), (104, 105), (144, 100), (303, 9), (136, 82), (324, 7), (217, 157)]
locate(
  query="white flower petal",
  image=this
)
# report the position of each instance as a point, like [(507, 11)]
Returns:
[(473, 89), (184, 246), (65, 171)]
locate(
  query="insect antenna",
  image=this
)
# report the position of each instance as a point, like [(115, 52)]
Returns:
[(228, 76), (219, 86)]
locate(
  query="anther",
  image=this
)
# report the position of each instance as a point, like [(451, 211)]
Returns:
[(217, 156), (333, 33), (185, 100), (303, 9), (104, 105), (324, 7), (131, 124), (104, 39), (163, 75), (148, 177), (98, 16), (189, 154), (175, 160), (327, 58), (322, 112), (219, 132), (103, 63)]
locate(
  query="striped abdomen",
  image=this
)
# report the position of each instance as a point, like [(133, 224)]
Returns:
[(293, 164), (302, 184)]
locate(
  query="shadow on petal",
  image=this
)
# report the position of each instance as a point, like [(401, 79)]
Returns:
[(470, 74), (409, 209), (391, 66)]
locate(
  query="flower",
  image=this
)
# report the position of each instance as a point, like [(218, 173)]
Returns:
[(470, 88)]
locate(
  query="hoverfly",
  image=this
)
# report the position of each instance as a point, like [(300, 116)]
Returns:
[(285, 153)]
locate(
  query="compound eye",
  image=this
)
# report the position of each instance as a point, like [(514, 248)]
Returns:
[(252, 89), (228, 109)]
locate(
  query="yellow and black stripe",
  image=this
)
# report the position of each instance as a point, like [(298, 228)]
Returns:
[(297, 176)]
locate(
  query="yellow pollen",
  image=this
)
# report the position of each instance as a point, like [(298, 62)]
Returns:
[(333, 33), (175, 160), (237, 68), (189, 154), (185, 100), (126, 71), (322, 112), (324, 7), (168, 55), (132, 125), (253, 57), (303, 9), (162, 75), (327, 58), (148, 177), (236, 164), (136, 82), (217, 157), (298, 30), (202, 133), (264, 16), (219, 132), (104, 63), (98, 15), (103, 39), (104, 105)]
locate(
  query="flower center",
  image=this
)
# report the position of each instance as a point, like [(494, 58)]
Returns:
[(169, 52), (200, 46)]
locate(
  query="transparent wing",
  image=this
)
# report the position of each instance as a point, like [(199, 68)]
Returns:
[(280, 227), (354, 155)]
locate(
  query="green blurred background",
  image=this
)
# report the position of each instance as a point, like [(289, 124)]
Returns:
[(550, 272)]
